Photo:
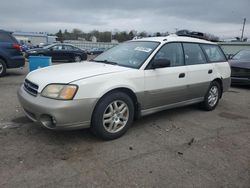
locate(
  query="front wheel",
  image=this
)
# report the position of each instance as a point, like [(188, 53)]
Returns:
[(112, 116), (212, 97)]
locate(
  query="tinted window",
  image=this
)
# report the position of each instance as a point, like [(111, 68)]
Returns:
[(5, 37), (172, 52), (66, 47), (213, 52), (193, 54), (57, 47)]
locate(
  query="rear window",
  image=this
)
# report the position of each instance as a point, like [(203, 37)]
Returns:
[(213, 53), (5, 37)]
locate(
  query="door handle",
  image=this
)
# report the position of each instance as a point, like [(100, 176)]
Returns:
[(181, 75), (210, 71)]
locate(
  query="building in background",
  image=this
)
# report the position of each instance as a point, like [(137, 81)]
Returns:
[(33, 38)]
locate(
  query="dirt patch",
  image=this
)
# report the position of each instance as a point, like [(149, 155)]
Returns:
[(232, 116)]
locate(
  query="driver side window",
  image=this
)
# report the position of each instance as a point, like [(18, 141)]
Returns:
[(172, 52)]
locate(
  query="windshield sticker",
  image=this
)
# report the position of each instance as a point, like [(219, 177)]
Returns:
[(143, 49)]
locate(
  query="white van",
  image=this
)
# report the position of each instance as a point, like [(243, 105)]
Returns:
[(131, 80)]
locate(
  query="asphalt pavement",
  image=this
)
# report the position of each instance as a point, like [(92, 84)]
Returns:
[(184, 147)]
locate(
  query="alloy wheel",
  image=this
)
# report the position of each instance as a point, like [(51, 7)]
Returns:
[(115, 116), (213, 96), (77, 59)]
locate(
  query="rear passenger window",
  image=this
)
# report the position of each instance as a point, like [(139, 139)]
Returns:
[(193, 54), (172, 52), (66, 47), (213, 53)]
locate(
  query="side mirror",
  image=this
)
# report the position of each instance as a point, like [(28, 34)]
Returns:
[(160, 63), (51, 49), (230, 56)]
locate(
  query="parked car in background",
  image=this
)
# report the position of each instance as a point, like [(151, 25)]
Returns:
[(10, 52), (95, 51), (130, 80), (240, 67), (25, 47), (59, 52)]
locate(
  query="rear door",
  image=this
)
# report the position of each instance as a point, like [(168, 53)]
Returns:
[(164, 86), (200, 72), (56, 52), (69, 52)]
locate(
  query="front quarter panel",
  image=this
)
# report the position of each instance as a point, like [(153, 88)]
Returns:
[(96, 87)]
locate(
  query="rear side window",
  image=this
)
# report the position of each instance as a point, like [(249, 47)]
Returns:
[(66, 47), (193, 54), (57, 47), (213, 53), (5, 37), (172, 52)]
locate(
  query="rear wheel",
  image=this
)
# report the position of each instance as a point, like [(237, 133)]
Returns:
[(2, 68), (112, 116), (212, 96)]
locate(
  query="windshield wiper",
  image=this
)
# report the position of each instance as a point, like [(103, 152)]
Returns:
[(105, 61)]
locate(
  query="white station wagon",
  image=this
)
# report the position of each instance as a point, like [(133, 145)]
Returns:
[(133, 79)]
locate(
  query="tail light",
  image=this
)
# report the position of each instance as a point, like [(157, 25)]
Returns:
[(17, 47)]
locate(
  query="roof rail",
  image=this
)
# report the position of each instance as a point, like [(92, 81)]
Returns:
[(196, 34)]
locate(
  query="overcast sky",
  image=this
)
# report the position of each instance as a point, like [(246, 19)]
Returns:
[(219, 17)]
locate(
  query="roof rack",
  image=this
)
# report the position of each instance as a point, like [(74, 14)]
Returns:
[(196, 34)]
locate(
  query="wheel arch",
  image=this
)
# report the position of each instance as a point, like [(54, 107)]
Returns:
[(219, 80), (127, 91), (5, 60)]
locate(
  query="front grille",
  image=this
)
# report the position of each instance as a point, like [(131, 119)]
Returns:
[(30, 87), (240, 72)]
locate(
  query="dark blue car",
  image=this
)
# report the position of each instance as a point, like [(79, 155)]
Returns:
[(10, 52), (95, 51), (59, 52)]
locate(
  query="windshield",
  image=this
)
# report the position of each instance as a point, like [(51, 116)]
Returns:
[(242, 55), (129, 54)]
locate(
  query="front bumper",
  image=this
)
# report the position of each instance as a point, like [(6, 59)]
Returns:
[(240, 81), (57, 114)]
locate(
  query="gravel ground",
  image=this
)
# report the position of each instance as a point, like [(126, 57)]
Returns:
[(183, 147)]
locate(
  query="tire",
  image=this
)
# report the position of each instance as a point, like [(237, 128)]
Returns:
[(110, 124), (2, 68), (77, 59), (212, 97)]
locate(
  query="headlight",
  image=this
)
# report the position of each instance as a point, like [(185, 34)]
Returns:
[(60, 91), (32, 51)]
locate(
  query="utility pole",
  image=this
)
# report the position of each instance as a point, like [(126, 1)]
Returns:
[(242, 34)]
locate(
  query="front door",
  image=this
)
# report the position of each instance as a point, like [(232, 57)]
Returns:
[(165, 86)]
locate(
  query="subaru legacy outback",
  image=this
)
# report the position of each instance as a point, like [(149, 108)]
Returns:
[(128, 81)]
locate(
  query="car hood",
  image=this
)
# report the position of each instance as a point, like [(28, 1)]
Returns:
[(239, 64), (70, 72)]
